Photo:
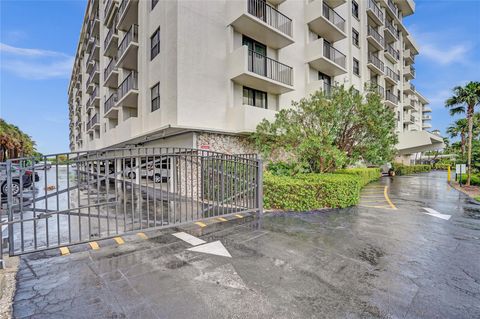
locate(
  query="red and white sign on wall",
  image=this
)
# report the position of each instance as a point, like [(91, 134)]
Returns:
[(204, 147)]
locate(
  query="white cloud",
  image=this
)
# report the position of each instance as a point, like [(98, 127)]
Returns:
[(35, 64), (445, 56)]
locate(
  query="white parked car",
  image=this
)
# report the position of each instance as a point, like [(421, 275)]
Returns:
[(159, 173)]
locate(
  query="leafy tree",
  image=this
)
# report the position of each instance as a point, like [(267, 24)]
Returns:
[(13, 142), (463, 101), (325, 132)]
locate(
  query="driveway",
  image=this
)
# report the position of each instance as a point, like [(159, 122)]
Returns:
[(410, 249)]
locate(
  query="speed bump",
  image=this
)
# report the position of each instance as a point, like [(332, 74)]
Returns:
[(64, 251), (94, 245)]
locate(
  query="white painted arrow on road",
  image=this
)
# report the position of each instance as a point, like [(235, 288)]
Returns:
[(213, 248), (434, 213)]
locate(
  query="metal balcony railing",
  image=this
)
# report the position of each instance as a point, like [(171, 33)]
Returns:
[(129, 83), (333, 54), (112, 66), (395, 53), (376, 35), (412, 70), (271, 16), (332, 16), (110, 102), (122, 7), (376, 9), (130, 36), (412, 87), (393, 7), (376, 61), (108, 7), (412, 118), (391, 97), (111, 32), (92, 73), (389, 25), (392, 74), (264, 66), (376, 88), (93, 96)]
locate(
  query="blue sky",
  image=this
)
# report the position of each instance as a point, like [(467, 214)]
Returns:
[(38, 41)]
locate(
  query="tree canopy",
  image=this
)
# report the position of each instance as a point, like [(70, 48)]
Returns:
[(14, 142), (325, 132)]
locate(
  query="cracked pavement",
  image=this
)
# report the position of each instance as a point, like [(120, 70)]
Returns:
[(358, 262)]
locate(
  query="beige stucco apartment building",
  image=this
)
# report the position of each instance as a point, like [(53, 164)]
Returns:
[(203, 73)]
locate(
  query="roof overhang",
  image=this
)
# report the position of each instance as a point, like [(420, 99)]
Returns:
[(411, 142)]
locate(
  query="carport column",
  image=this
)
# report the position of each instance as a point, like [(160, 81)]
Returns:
[(260, 186), (138, 162), (119, 171)]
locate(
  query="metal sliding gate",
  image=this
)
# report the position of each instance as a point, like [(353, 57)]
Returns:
[(73, 198)]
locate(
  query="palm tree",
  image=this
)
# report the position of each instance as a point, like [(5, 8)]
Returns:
[(464, 100), (459, 128)]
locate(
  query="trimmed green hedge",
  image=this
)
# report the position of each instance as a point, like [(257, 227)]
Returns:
[(475, 180), (366, 175), (401, 169), (314, 191), (443, 167)]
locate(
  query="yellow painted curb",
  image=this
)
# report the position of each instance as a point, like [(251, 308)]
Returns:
[(201, 224), (119, 240), (222, 219), (142, 235), (64, 251), (94, 245), (388, 198), (239, 216)]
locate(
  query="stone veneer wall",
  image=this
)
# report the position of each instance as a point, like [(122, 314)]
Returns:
[(229, 144)]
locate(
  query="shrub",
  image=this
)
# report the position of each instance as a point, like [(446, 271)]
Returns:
[(475, 181), (441, 166), (310, 191), (366, 175), (401, 169)]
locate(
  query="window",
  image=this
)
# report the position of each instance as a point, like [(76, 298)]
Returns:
[(355, 37), (356, 67), (155, 44), (154, 3), (254, 97), (155, 96), (355, 9)]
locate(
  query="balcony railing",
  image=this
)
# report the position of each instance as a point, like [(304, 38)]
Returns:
[(112, 31), (93, 96), (110, 3), (391, 97), (376, 35), (129, 83), (333, 54), (112, 65), (332, 16), (393, 7), (262, 65), (412, 70), (412, 118), (375, 87), (376, 9), (376, 61), (130, 36), (110, 102), (122, 7), (269, 15), (92, 73), (395, 53), (392, 29), (392, 74)]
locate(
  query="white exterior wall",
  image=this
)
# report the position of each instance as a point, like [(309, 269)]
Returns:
[(193, 67)]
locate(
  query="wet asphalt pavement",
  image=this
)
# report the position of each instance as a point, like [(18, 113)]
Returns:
[(385, 258)]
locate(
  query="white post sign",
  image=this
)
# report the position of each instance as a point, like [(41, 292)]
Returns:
[(460, 168)]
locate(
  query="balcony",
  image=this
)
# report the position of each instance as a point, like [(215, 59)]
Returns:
[(406, 6), (409, 104), (257, 71), (90, 64), (111, 43), (375, 39), (391, 76), (376, 88), (408, 88), (427, 109), (408, 119), (426, 126), (94, 100), (375, 12), (127, 14), (409, 72), (260, 21), (375, 65), (318, 85), (109, 13), (391, 7), (93, 79), (128, 91), (94, 24), (245, 118), (93, 123), (128, 48), (325, 58), (426, 118), (391, 99), (324, 21), (408, 57), (391, 33), (93, 46), (109, 107), (392, 54), (110, 74)]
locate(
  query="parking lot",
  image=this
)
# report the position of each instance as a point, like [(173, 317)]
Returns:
[(359, 262)]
